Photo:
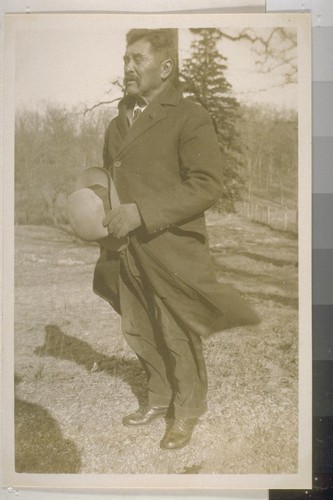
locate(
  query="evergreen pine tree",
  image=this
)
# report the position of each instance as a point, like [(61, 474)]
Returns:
[(203, 78)]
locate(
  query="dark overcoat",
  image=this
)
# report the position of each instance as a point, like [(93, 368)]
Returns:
[(168, 162)]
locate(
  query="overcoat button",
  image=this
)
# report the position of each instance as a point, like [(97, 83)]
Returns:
[(117, 164)]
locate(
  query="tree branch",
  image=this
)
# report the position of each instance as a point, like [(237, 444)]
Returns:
[(100, 104), (271, 53)]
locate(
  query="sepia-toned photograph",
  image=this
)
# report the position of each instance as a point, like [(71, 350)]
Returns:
[(158, 311)]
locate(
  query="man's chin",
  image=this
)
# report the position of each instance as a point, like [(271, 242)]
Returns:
[(132, 88)]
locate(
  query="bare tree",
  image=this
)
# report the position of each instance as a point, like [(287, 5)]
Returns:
[(276, 50), (51, 148)]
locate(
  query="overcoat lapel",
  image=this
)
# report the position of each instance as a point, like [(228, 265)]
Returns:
[(122, 122), (154, 113)]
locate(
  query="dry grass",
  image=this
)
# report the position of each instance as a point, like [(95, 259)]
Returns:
[(76, 377)]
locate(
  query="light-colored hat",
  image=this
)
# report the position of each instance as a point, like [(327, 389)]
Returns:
[(95, 194)]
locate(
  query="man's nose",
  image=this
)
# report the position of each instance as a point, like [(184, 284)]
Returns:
[(129, 66)]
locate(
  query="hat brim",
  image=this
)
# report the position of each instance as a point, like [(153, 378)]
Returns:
[(91, 176)]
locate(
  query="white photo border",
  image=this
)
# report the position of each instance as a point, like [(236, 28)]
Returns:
[(171, 482)]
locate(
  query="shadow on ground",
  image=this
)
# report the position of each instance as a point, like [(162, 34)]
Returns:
[(61, 346), (39, 444)]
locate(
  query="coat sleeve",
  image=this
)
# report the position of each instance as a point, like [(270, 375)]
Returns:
[(199, 185)]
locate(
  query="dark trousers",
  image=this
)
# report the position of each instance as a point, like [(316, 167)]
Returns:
[(171, 356)]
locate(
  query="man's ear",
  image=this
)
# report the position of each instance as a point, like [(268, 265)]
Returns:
[(166, 68)]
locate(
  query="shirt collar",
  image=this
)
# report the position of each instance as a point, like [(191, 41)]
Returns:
[(169, 96), (140, 103)]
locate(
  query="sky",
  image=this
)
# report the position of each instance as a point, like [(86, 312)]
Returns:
[(72, 66)]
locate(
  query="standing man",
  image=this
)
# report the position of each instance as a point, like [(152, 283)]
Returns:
[(163, 155)]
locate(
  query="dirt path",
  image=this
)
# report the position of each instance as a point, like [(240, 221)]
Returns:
[(76, 377)]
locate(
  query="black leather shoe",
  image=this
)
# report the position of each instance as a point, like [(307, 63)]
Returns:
[(143, 417), (179, 434)]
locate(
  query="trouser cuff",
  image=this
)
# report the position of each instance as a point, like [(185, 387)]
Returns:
[(184, 412), (157, 401)]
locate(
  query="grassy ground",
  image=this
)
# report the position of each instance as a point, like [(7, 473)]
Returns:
[(76, 377)]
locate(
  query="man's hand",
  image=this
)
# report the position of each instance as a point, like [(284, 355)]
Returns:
[(122, 220)]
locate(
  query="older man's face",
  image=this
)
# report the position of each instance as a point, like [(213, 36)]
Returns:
[(142, 70)]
